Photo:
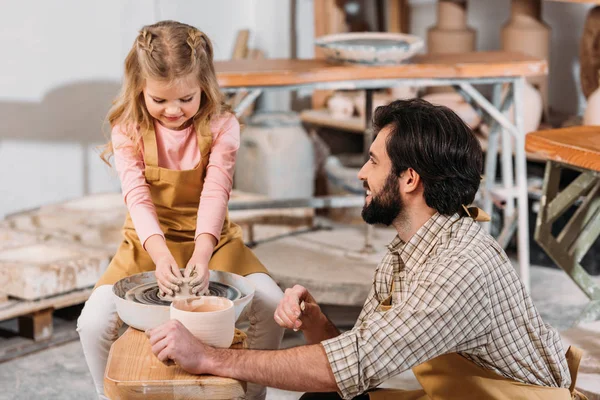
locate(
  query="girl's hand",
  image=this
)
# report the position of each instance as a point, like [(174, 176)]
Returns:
[(168, 275), (200, 277), (197, 266), (167, 272)]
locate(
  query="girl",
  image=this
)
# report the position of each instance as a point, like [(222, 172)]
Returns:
[(174, 144)]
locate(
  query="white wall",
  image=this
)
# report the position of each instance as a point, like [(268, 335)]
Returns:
[(61, 64)]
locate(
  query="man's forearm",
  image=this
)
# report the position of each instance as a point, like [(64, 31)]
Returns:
[(326, 330), (301, 369)]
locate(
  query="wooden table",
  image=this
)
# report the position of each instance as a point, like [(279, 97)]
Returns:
[(458, 70), (288, 72), (575, 148), (133, 372)]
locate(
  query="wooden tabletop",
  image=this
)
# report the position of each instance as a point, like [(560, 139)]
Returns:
[(285, 72), (133, 372), (578, 146), (578, 1)]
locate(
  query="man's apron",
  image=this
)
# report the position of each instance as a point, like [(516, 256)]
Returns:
[(453, 377), (176, 196)]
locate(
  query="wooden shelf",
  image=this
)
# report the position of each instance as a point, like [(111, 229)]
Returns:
[(577, 1), (290, 72), (323, 118)]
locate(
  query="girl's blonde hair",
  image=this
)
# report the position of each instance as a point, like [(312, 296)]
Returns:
[(166, 51)]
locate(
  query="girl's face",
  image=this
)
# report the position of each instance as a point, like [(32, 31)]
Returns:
[(173, 104)]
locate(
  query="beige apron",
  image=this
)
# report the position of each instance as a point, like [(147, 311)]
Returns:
[(176, 195), (453, 377)]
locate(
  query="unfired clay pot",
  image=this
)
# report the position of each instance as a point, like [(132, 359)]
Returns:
[(340, 106), (592, 110), (456, 103), (185, 291), (210, 319), (525, 32), (533, 108), (403, 92), (451, 34), (379, 99)]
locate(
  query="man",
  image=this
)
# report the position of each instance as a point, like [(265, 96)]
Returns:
[(445, 299)]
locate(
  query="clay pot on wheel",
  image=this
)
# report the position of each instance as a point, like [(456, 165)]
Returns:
[(210, 319)]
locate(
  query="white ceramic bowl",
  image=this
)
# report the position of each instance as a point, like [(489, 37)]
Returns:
[(143, 317), (210, 319), (371, 48)]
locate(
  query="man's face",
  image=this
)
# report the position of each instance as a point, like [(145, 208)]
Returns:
[(383, 203)]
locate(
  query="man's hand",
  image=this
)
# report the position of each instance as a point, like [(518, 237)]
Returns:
[(290, 315), (172, 341)]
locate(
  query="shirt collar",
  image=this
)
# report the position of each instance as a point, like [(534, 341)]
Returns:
[(415, 252)]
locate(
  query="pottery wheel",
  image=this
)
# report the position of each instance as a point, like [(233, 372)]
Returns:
[(147, 293)]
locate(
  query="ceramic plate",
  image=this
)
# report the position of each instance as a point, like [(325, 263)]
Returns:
[(371, 48)]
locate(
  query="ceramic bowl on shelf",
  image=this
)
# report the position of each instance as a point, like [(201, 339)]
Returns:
[(370, 48)]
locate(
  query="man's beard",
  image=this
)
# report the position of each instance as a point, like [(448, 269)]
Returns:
[(386, 206)]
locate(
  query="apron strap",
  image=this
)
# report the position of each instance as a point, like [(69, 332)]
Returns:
[(476, 213), (573, 357), (205, 141), (150, 148)]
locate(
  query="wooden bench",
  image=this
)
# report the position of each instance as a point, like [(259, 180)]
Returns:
[(576, 148), (134, 372)]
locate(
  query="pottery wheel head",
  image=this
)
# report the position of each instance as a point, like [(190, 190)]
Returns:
[(147, 293)]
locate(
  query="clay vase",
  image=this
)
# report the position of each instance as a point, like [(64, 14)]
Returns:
[(451, 34), (456, 103), (525, 32), (340, 106), (379, 99), (592, 110), (533, 109), (210, 319), (589, 56), (403, 92)]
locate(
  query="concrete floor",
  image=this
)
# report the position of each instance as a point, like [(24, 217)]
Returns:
[(61, 373)]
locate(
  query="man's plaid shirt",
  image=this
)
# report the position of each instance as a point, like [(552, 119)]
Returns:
[(454, 291)]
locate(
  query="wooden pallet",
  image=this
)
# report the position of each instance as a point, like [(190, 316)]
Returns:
[(35, 316)]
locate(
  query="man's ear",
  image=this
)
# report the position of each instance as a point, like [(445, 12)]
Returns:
[(411, 180)]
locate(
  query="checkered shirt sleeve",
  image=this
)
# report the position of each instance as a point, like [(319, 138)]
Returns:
[(444, 311)]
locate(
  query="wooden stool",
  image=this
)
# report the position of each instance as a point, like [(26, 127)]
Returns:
[(133, 372), (576, 148)]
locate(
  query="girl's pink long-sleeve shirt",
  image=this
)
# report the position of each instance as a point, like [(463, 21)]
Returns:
[(178, 150)]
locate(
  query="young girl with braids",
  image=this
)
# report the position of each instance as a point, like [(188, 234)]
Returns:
[(174, 144)]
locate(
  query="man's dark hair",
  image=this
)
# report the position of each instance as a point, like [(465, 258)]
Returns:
[(438, 145)]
